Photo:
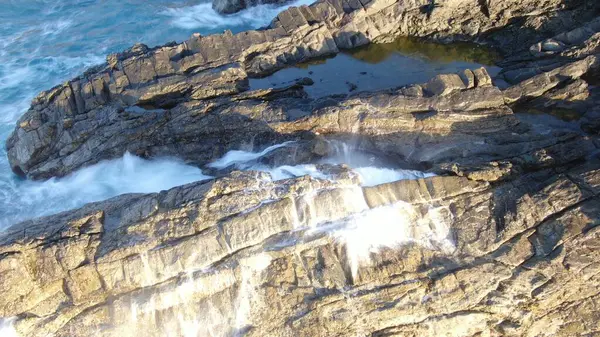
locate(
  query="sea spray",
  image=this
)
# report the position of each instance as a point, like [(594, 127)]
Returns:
[(128, 174), (182, 310), (392, 226), (249, 267), (204, 16), (6, 327)]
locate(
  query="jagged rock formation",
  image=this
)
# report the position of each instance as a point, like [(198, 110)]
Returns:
[(146, 100), (517, 259), (504, 241), (464, 121)]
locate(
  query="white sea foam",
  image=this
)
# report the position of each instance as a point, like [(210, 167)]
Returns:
[(6, 327), (129, 174), (243, 159), (287, 171), (204, 16), (371, 176)]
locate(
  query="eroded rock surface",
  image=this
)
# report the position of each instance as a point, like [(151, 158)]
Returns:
[(179, 99), (303, 257), (503, 242)]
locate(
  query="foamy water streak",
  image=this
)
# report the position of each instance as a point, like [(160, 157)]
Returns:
[(129, 174), (288, 171), (250, 267), (184, 310), (369, 175), (6, 327), (244, 159), (372, 176), (203, 15)]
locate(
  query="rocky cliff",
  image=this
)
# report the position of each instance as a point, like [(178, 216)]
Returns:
[(502, 241), (303, 257), (146, 100)]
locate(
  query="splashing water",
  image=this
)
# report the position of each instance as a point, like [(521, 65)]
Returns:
[(190, 319), (24, 200), (372, 176), (185, 317), (243, 159), (368, 230), (369, 175), (287, 171), (392, 226), (247, 293), (129, 174), (6, 328), (203, 15), (44, 45)]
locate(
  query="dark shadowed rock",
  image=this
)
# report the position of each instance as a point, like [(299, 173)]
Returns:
[(189, 90), (233, 6)]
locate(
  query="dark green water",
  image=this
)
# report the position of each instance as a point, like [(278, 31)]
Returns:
[(383, 66)]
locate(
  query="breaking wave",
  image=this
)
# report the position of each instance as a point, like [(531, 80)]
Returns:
[(203, 16)]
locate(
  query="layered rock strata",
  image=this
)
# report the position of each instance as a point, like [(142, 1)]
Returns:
[(503, 242), (244, 254), (192, 99)]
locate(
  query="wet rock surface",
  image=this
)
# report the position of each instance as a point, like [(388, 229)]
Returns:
[(503, 241), (88, 119), (146, 263)]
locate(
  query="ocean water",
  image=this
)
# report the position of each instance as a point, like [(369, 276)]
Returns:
[(45, 42)]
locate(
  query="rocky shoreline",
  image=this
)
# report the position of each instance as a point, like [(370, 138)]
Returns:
[(502, 241), (89, 119)]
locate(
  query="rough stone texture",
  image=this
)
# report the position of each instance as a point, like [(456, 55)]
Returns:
[(146, 100), (465, 128), (504, 242), (150, 264), (578, 43)]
